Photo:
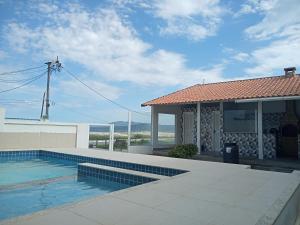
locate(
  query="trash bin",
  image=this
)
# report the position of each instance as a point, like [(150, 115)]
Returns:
[(231, 153)]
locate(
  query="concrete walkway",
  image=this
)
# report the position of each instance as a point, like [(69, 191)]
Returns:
[(210, 194)]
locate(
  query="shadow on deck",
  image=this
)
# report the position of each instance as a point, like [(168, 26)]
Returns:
[(279, 165)]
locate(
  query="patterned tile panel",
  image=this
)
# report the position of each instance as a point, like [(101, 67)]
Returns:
[(206, 132)]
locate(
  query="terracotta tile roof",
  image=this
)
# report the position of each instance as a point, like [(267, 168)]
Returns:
[(278, 86)]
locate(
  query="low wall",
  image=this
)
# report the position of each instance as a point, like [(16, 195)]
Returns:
[(17, 140), (21, 133)]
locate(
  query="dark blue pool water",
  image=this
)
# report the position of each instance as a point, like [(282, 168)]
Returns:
[(32, 185)]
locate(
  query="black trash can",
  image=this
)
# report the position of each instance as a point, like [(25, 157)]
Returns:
[(231, 153)]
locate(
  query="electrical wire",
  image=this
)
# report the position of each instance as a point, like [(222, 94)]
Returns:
[(24, 84), (18, 101), (80, 113), (11, 81), (20, 71), (101, 95)]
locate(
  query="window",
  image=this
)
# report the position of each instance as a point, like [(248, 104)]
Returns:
[(240, 117)]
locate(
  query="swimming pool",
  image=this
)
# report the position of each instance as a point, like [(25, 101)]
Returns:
[(30, 185), (34, 180)]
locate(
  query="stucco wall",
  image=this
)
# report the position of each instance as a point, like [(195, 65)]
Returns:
[(20, 134), (16, 140)]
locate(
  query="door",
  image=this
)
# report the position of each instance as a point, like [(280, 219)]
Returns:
[(188, 127), (216, 130)]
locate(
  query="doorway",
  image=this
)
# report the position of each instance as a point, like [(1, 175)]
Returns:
[(188, 127)]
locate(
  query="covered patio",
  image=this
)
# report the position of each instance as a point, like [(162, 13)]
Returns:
[(260, 115)]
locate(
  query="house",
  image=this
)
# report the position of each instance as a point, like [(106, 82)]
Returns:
[(260, 115)]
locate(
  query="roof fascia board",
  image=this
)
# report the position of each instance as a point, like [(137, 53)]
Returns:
[(268, 99)]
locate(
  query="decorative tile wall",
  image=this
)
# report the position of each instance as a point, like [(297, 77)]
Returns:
[(248, 142), (206, 119), (270, 120), (269, 144)]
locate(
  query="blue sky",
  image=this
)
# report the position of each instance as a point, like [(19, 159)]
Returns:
[(135, 50)]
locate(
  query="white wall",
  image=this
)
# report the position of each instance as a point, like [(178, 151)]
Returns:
[(82, 136), (12, 126), (15, 133)]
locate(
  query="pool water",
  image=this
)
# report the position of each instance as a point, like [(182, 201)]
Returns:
[(38, 184), (12, 172)]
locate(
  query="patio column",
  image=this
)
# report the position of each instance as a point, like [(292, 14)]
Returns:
[(198, 127), (154, 127), (260, 130)]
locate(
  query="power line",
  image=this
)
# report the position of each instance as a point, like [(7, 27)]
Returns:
[(17, 100), (25, 84), (101, 95), (79, 113), (20, 71), (18, 80)]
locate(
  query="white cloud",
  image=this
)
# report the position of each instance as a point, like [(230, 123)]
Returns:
[(277, 55), (241, 56), (254, 6), (277, 20), (280, 25), (108, 46), (194, 19), (191, 19)]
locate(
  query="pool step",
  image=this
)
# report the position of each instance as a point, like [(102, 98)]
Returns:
[(35, 182), (124, 176)]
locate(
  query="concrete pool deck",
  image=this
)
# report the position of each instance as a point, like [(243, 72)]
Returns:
[(210, 194)]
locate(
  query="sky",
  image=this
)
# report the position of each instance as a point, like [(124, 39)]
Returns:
[(132, 51)]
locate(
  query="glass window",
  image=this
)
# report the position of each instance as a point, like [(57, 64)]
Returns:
[(240, 117)]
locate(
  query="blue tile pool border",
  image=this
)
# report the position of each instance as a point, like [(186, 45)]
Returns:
[(44, 154), (19, 155), (114, 176)]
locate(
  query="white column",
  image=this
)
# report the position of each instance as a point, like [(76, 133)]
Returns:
[(129, 129), (198, 126), (111, 137), (82, 136), (178, 130), (154, 127), (260, 131)]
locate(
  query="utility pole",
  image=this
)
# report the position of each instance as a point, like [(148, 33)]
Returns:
[(47, 91), (54, 65)]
